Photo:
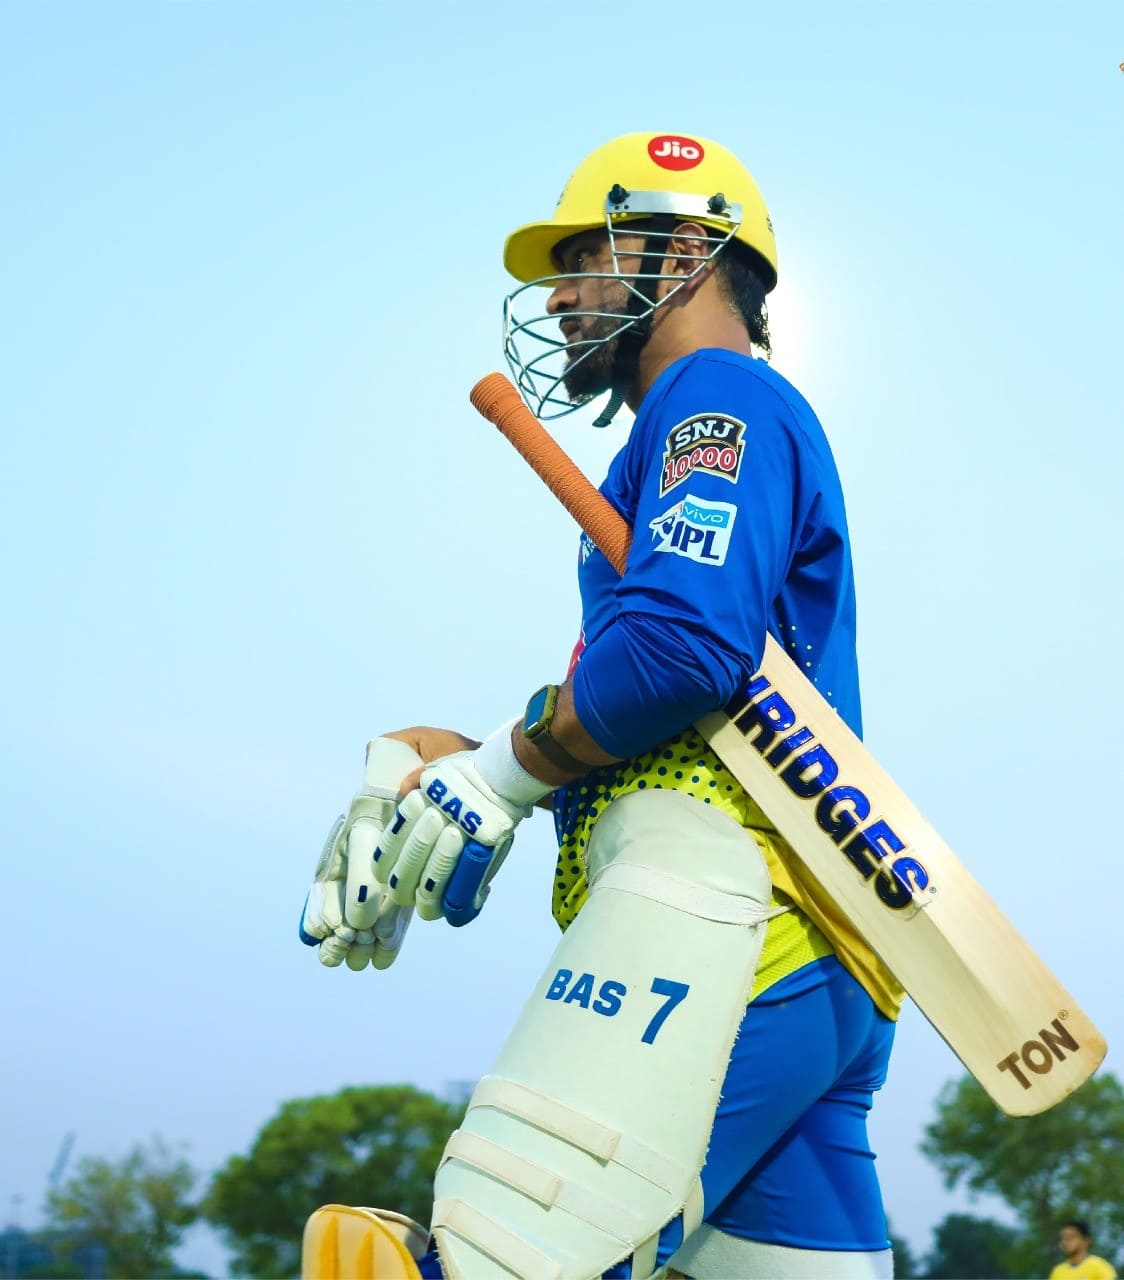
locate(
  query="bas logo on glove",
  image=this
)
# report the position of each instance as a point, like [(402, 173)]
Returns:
[(458, 814), (469, 820)]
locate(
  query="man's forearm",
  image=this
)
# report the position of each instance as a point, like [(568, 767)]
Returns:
[(570, 734)]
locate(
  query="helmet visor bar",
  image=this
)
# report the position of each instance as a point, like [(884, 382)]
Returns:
[(639, 204)]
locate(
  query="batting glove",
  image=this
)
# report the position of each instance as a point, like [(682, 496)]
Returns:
[(465, 810), (348, 914)]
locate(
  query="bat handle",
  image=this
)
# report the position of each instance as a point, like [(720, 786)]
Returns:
[(464, 884), (494, 398)]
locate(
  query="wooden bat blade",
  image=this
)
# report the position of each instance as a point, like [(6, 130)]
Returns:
[(991, 997)]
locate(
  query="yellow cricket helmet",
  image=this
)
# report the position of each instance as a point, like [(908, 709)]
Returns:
[(691, 178)]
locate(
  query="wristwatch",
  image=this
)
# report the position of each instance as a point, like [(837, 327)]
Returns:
[(536, 728)]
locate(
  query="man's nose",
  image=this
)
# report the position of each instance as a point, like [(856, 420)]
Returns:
[(563, 297)]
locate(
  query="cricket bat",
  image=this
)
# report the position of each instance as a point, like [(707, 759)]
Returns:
[(855, 832)]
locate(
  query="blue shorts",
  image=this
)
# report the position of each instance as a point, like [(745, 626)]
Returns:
[(789, 1161)]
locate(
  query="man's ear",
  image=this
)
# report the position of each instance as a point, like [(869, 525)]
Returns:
[(687, 250)]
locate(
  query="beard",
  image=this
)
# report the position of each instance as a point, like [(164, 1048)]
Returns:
[(591, 357)]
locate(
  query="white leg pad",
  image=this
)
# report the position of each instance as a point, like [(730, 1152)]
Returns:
[(591, 1130), (711, 1254)]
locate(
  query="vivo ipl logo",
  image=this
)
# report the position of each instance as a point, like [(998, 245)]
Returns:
[(809, 771), (673, 151), (696, 530)]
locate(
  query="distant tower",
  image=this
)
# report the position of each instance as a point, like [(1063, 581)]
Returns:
[(57, 1169)]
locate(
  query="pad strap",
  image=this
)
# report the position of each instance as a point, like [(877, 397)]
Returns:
[(685, 895), (581, 1131), (520, 1258), (549, 1189)]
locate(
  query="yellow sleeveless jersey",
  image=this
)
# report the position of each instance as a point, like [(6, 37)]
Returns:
[(812, 927)]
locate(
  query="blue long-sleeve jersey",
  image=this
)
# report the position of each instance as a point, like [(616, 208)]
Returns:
[(729, 485), (738, 529)]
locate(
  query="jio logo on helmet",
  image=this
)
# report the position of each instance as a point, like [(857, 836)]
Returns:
[(671, 151)]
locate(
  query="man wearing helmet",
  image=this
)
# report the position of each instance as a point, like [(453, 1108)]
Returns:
[(688, 1083)]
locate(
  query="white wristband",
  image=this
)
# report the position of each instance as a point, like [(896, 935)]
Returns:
[(497, 766)]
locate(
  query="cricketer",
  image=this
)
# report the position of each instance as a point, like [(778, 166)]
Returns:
[(686, 1090)]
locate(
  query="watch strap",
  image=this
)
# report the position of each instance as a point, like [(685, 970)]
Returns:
[(558, 755)]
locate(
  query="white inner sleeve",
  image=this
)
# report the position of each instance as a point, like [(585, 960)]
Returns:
[(497, 766)]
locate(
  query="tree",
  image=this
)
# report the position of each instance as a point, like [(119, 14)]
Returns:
[(905, 1264), (60, 1270), (966, 1247), (1068, 1162), (377, 1146), (137, 1208)]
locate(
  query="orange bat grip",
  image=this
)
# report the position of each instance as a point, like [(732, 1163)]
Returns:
[(497, 400)]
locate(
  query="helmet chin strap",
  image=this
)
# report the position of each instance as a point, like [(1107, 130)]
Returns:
[(641, 299)]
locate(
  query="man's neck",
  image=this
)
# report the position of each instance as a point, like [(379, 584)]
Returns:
[(662, 350)]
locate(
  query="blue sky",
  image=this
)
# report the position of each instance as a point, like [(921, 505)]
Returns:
[(251, 265)]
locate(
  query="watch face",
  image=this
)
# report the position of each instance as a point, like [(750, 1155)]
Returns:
[(537, 716)]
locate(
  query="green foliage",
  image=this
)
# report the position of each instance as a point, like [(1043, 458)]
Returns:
[(376, 1146), (1068, 1162), (60, 1270), (966, 1247), (138, 1208), (906, 1265)]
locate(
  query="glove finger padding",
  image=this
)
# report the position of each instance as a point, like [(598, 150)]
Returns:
[(364, 893), (330, 866), (322, 923), (361, 950), (316, 917), (409, 848), (313, 930), (422, 849), (439, 868), (390, 933), (323, 911), (502, 850), (333, 950)]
